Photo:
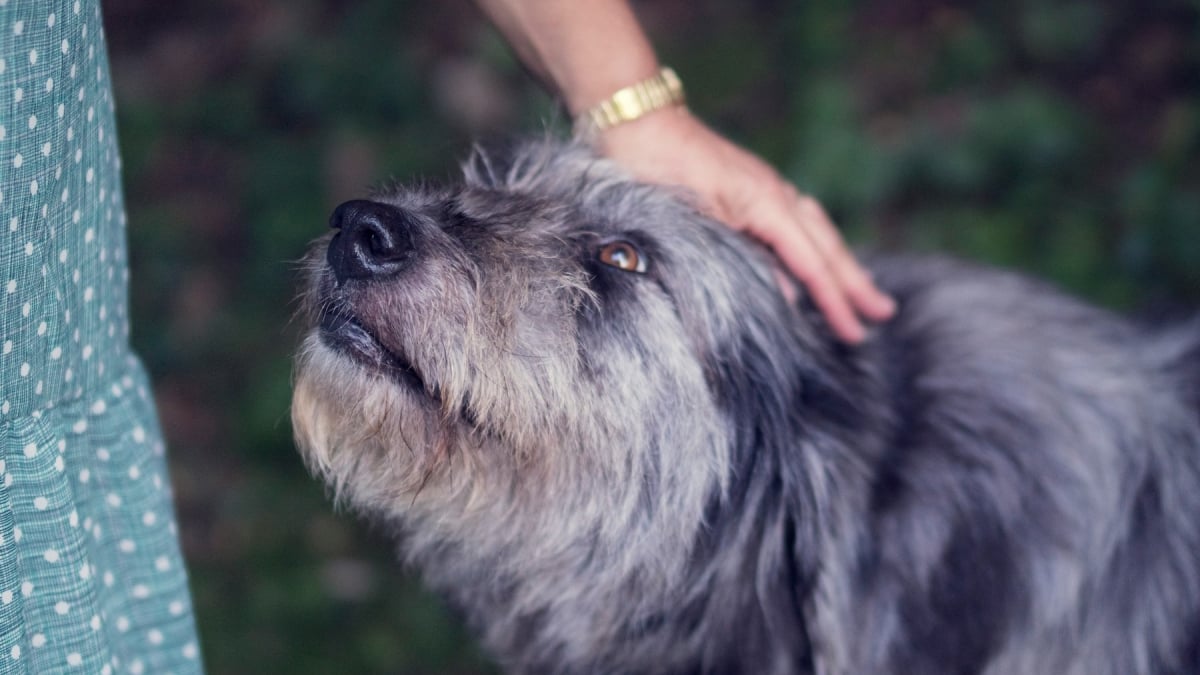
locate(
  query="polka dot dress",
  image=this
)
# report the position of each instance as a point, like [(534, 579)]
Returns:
[(91, 578)]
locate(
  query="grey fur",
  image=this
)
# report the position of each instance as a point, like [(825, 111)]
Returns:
[(677, 472)]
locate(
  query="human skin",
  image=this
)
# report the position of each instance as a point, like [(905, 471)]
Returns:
[(585, 51)]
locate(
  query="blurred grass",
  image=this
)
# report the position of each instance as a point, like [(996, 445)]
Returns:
[(1056, 137)]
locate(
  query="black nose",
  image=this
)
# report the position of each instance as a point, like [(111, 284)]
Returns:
[(375, 240)]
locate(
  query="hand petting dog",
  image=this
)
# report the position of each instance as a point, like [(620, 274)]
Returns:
[(586, 51), (672, 147)]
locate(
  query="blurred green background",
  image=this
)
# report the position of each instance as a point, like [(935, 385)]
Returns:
[(1059, 137)]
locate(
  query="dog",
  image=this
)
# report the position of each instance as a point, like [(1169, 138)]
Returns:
[(600, 430)]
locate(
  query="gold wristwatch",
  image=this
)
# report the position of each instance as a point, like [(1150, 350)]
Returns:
[(630, 103)]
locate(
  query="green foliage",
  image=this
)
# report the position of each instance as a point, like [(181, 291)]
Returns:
[(1056, 137)]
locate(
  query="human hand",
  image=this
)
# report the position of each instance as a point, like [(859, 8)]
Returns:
[(672, 147)]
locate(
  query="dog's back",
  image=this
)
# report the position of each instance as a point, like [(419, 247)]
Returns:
[(1036, 505)]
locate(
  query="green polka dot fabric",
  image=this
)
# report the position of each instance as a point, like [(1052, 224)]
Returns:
[(91, 578)]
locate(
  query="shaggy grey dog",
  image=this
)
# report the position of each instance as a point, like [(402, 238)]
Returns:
[(604, 434)]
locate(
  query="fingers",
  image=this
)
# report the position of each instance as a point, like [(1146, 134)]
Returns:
[(797, 228), (777, 225), (855, 282)]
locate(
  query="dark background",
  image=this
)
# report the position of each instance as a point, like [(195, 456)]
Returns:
[(1058, 137)]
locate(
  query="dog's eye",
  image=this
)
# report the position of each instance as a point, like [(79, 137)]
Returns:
[(623, 256)]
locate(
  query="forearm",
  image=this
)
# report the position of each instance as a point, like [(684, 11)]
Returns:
[(582, 49)]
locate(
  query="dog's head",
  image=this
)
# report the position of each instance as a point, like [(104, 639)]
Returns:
[(547, 332)]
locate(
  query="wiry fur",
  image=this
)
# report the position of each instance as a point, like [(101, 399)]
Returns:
[(677, 472)]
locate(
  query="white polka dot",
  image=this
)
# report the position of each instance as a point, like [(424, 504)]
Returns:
[(176, 608), (88, 294), (11, 286), (84, 475), (141, 591), (41, 329), (65, 46), (16, 652), (6, 597), (18, 95), (17, 532), (50, 85), (26, 589), (139, 434), (122, 624), (127, 546), (8, 346), (62, 607), (74, 659), (136, 667), (31, 450), (189, 650), (41, 504), (62, 256), (26, 309), (24, 370), (79, 427), (107, 669), (32, 121), (85, 572), (33, 187), (38, 640), (99, 407), (18, 27), (60, 464), (162, 564), (95, 622), (73, 519), (155, 636), (113, 499), (56, 353), (33, 57), (51, 556), (50, 20), (109, 580), (18, 160)]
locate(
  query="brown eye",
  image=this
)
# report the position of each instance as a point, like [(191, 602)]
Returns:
[(623, 256)]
